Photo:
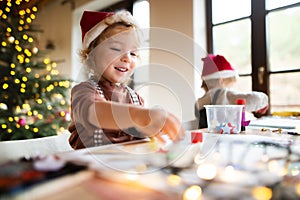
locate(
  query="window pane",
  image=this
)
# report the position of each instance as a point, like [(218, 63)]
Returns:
[(233, 40), (225, 10), (141, 13), (271, 4), (285, 92), (284, 43)]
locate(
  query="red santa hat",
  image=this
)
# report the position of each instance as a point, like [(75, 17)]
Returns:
[(216, 66), (94, 23)]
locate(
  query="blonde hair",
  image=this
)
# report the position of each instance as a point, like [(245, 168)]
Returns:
[(213, 83), (120, 21)]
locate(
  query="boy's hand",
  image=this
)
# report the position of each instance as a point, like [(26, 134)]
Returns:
[(263, 110)]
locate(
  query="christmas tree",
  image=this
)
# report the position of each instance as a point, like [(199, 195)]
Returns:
[(33, 97)]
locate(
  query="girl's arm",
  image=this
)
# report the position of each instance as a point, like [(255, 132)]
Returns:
[(151, 122)]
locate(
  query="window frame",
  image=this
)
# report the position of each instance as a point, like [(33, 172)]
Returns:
[(261, 72)]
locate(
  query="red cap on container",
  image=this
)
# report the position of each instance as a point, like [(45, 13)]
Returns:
[(241, 101), (196, 136)]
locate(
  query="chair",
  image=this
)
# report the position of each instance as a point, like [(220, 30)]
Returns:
[(16, 149)]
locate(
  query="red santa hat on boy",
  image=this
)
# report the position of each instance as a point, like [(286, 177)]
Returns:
[(94, 23), (216, 66)]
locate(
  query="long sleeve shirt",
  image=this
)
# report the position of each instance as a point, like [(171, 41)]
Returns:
[(83, 96)]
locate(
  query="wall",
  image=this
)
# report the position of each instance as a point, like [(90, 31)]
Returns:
[(54, 20), (173, 75)]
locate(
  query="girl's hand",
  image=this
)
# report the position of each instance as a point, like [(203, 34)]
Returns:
[(157, 122)]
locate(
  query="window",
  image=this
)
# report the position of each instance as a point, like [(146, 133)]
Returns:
[(260, 39)]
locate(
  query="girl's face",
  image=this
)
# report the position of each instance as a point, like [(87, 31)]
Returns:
[(116, 57)]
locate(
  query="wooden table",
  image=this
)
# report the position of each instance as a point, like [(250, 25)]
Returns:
[(103, 181)]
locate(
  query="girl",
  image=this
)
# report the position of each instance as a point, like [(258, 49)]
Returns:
[(104, 109), (218, 77)]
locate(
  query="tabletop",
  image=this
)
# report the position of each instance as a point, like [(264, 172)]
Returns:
[(262, 162)]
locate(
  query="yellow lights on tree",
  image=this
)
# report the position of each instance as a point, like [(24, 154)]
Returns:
[(25, 37), (35, 130), (4, 16), (28, 20), (35, 50), (24, 78), (28, 52), (62, 113), (26, 106), (11, 39), (20, 58), (40, 116), (48, 68), (49, 107), (29, 113), (39, 101), (47, 61), (48, 77), (28, 73), (5, 86), (18, 109), (3, 126), (22, 12), (54, 126), (32, 16), (65, 84), (54, 72), (18, 48), (50, 88), (3, 106), (23, 85), (62, 102), (17, 81), (34, 9), (28, 69)]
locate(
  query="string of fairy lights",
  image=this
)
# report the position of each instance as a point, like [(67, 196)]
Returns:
[(21, 71)]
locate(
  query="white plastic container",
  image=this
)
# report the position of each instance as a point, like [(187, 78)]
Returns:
[(224, 119)]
